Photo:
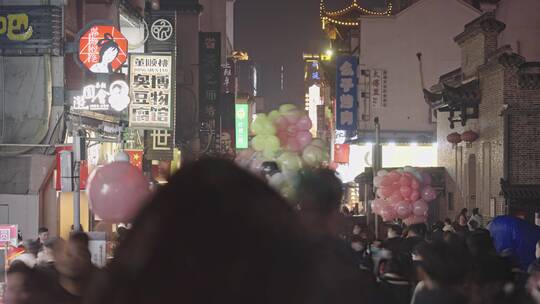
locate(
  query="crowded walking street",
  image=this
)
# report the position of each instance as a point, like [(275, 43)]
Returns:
[(272, 152)]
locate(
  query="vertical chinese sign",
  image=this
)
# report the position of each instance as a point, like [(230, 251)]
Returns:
[(346, 93), (209, 86), (227, 109), (150, 82), (242, 125), (377, 89)]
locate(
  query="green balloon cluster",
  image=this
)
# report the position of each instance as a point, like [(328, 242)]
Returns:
[(265, 139), (272, 142)]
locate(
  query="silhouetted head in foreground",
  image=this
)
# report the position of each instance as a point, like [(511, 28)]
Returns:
[(174, 252), (320, 193)]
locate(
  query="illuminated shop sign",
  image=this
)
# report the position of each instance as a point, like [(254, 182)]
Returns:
[(30, 30), (103, 49), (242, 125), (346, 97), (99, 97), (150, 82)]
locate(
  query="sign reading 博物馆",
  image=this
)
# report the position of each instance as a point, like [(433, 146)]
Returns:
[(242, 125), (346, 93), (150, 83)]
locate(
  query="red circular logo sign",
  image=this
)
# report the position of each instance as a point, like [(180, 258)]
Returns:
[(103, 49)]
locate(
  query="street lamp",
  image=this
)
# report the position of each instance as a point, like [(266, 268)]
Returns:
[(329, 53)]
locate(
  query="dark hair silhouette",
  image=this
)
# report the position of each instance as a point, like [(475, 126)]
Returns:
[(258, 258), (320, 192), (107, 43)]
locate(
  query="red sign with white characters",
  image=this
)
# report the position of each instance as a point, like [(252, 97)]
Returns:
[(103, 49)]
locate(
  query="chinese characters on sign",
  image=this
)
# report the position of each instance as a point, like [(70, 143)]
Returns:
[(103, 49), (150, 82), (378, 86), (162, 36), (228, 77), (16, 27), (209, 85), (346, 97), (30, 30), (8, 235), (100, 98), (242, 125), (159, 144)]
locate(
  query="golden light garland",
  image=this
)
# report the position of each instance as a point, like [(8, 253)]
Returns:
[(326, 16)]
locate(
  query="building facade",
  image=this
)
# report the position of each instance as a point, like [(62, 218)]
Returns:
[(491, 102), (42, 75)]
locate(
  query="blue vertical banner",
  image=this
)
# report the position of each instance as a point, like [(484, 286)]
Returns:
[(346, 93)]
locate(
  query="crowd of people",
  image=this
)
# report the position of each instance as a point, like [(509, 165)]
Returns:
[(217, 234)]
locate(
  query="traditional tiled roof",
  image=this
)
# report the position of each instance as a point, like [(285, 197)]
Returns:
[(454, 97), (529, 76), (526, 196), (485, 23), (348, 16)]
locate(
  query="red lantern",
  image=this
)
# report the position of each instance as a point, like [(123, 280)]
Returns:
[(341, 153), (454, 138), (469, 137)]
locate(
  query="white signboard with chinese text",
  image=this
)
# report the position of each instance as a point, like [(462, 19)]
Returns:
[(377, 90), (100, 97), (150, 84)]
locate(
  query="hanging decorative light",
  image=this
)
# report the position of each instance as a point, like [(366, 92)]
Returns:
[(469, 137)]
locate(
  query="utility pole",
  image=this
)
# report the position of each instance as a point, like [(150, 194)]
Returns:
[(79, 154), (377, 163)]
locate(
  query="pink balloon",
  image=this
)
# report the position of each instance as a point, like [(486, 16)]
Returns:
[(428, 194), (281, 123), (304, 138), (283, 137), (403, 209), (426, 179), (388, 213), (293, 116), (395, 198), (415, 184), (387, 192), (377, 180), (405, 191), (384, 192), (420, 208), (377, 205), (415, 195), (394, 176), (292, 130), (386, 181), (405, 181), (304, 123), (117, 191), (293, 145)]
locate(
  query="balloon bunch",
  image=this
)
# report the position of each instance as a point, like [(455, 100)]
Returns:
[(404, 194), (283, 136)]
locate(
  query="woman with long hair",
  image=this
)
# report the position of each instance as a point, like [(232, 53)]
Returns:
[(108, 52)]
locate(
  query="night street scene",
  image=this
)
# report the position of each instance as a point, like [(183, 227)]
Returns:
[(270, 151)]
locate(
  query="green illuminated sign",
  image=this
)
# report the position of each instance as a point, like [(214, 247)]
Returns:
[(241, 125)]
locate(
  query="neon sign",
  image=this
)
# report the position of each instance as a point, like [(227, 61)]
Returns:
[(96, 97)]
